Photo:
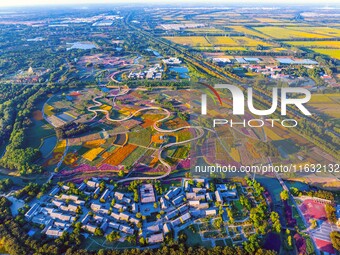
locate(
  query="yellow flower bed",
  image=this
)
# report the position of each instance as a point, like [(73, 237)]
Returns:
[(48, 110), (234, 153), (92, 154), (94, 143), (106, 107), (60, 147)]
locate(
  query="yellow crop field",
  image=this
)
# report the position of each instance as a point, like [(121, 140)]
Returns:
[(94, 143), (106, 107), (205, 30), (189, 40), (333, 53), (322, 98), (48, 109), (232, 48), (286, 33), (60, 147), (92, 154), (251, 149), (234, 153), (242, 29), (222, 40), (316, 44), (267, 20), (326, 103), (271, 134), (126, 111), (329, 31), (246, 41)]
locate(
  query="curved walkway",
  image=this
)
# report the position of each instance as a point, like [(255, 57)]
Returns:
[(155, 126)]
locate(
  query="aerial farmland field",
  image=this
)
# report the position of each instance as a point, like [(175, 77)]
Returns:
[(287, 33), (316, 44), (194, 41), (333, 53), (327, 104), (180, 128)]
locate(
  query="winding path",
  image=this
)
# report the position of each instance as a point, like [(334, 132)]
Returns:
[(155, 126)]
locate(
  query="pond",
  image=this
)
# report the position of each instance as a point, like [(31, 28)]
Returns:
[(181, 70), (299, 185), (48, 145), (156, 53), (272, 185)]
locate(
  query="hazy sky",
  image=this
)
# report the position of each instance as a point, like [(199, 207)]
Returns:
[(6, 3)]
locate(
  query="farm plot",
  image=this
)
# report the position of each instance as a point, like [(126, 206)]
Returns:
[(134, 156), (248, 31), (316, 44), (286, 33), (141, 138), (333, 53), (249, 42), (118, 155), (328, 31), (189, 40), (326, 103), (92, 153), (222, 40)]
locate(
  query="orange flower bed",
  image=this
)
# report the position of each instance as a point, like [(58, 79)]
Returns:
[(105, 155), (147, 123), (94, 143), (126, 111), (153, 162), (157, 138), (119, 154)]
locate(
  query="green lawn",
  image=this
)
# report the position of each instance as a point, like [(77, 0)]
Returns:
[(128, 161), (142, 138), (35, 133), (193, 239)]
